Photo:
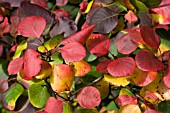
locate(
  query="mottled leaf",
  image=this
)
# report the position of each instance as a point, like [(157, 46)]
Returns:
[(15, 66), (73, 52), (32, 64), (42, 3), (32, 26), (81, 68), (146, 61), (166, 77), (61, 2), (10, 97), (61, 78), (54, 105), (104, 19), (89, 97), (130, 109), (124, 100), (80, 36), (143, 78), (38, 94), (121, 67)]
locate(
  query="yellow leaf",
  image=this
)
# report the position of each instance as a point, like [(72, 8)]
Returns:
[(89, 6), (158, 18), (130, 109), (22, 46), (46, 70), (41, 49), (81, 68), (121, 81)]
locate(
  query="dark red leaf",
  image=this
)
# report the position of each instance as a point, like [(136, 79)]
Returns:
[(122, 67), (83, 6), (42, 3), (166, 56), (1, 50), (65, 26), (4, 27), (27, 9), (146, 61), (98, 44), (136, 36), (15, 66), (102, 66), (131, 17), (61, 2), (13, 3), (32, 26), (150, 37), (32, 64), (14, 24), (60, 13), (125, 45), (80, 36), (103, 18), (166, 77), (54, 105), (73, 52), (89, 97), (126, 99)]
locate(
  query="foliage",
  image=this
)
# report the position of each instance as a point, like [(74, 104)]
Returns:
[(85, 56)]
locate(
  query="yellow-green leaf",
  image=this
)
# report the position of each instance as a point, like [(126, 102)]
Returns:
[(22, 46), (103, 87)]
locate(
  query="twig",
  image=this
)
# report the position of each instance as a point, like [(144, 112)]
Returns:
[(78, 17), (90, 84)]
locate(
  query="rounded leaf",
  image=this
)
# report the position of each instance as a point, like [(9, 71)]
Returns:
[(32, 26), (130, 108), (131, 17), (54, 105), (73, 52), (98, 44), (61, 2), (121, 67), (89, 97), (61, 78), (125, 45), (15, 66), (126, 99), (146, 61), (102, 66)]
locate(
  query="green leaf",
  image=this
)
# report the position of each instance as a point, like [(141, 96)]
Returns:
[(164, 107), (111, 106), (151, 3), (67, 108), (56, 59), (139, 5), (3, 69), (83, 110), (89, 57), (22, 46), (10, 97), (126, 92), (38, 94)]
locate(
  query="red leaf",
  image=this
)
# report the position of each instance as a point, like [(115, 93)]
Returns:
[(125, 100), (73, 52), (54, 105), (102, 66), (61, 2), (125, 45), (89, 97), (42, 3), (32, 64), (150, 37), (3, 86), (15, 66), (4, 27), (166, 55), (1, 50), (136, 36), (151, 111), (80, 36), (166, 77), (122, 67), (32, 26), (98, 44), (131, 17), (83, 6), (60, 13), (150, 95), (146, 61)]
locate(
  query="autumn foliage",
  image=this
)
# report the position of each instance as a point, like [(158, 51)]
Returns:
[(85, 56)]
